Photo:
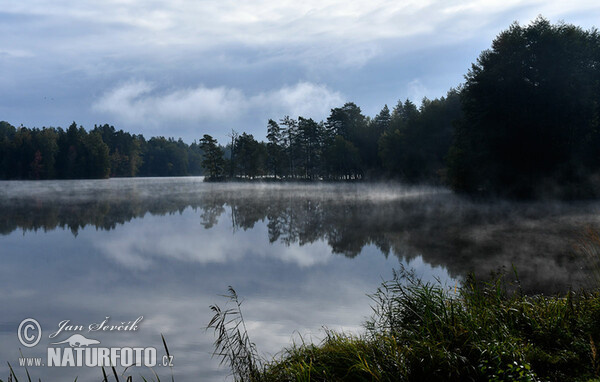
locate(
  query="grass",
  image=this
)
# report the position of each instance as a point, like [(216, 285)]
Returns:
[(420, 331), (233, 345), (425, 331)]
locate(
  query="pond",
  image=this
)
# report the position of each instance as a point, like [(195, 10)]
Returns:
[(303, 257)]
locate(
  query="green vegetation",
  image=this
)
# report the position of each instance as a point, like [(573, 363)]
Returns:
[(409, 143), (213, 161), (74, 153), (478, 331), (525, 124), (531, 114)]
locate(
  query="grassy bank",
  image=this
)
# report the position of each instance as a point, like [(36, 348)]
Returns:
[(478, 331)]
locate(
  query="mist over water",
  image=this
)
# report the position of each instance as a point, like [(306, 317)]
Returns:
[(302, 256)]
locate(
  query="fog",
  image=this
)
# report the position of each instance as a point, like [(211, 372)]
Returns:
[(462, 235), (167, 248)]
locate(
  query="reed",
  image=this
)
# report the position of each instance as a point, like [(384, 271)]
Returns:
[(420, 331), (233, 345)]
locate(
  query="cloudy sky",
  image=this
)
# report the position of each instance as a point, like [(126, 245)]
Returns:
[(184, 68)]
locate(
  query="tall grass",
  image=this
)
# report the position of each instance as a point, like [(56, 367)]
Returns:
[(232, 344), (422, 331)]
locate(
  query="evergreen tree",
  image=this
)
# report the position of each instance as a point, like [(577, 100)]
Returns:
[(213, 161), (251, 156), (531, 113), (289, 132), (97, 156), (343, 159), (309, 144), (275, 150)]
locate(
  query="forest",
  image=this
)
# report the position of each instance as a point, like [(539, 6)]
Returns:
[(74, 153), (408, 143), (525, 123)]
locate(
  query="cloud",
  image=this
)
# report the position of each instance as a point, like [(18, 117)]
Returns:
[(304, 98), (16, 53), (302, 29), (208, 64), (416, 91), (140, 103)]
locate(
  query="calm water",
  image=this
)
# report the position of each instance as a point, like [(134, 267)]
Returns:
[(302, 257)]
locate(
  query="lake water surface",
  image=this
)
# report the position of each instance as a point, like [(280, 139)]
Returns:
[(302, 256)]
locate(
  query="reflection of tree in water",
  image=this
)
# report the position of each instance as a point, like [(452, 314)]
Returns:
[(106, 214), (210, 211), (445, 230)]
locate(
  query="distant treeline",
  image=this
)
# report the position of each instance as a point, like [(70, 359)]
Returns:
[(526, 123), (74, 153), (409, 143)]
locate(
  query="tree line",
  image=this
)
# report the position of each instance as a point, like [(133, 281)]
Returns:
[(531, 124), (408, 142), (74, 153), (348, 145), (526, 123)]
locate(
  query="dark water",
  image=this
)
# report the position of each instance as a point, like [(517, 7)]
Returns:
[(301, 256)]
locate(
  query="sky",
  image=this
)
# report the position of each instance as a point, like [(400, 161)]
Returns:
[(184, 68)]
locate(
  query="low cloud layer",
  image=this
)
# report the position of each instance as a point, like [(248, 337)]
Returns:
[(207, 24), (140, 103)]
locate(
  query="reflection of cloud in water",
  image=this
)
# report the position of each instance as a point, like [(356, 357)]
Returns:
[(461, 234), (302, 256), (72, 278), (146, 243), (167, 252)]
